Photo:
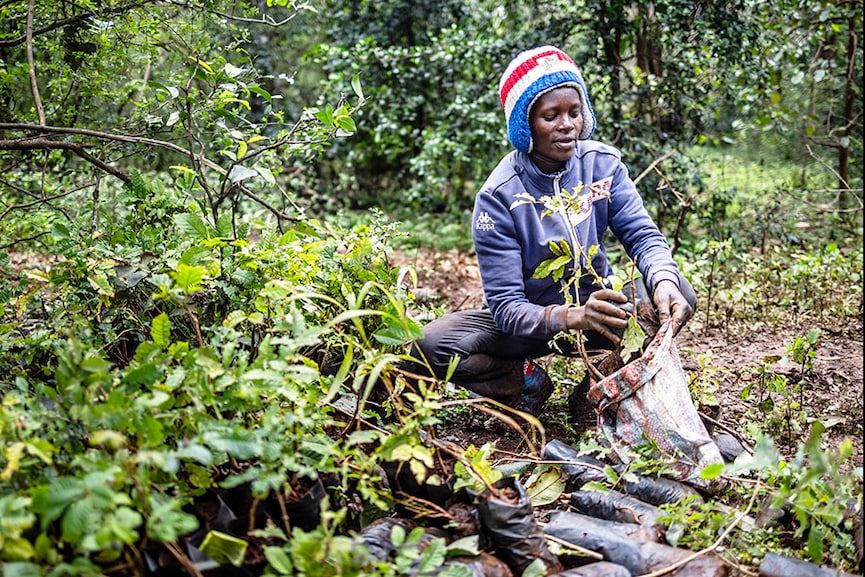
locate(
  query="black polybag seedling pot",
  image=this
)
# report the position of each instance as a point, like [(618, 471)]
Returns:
[(639, 557), (598, 569), (508, 521), (581, 469), (302, 508)]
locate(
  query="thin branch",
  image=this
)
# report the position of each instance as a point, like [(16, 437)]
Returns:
[(41, 143), (581, 550), (31, 67), (38, 201), (44, 171), (193, 139), (584, 355), (653, 165), (4, 144), (80, 151), (683, 206), (15, 187), (825, 210), (502, 415), (286, 139), (456, 454), (265, 19), (22, 240), (278, 213), (183, 559), (72, 20), (94, 215), (815, 157), (727, 429), (423, 507)]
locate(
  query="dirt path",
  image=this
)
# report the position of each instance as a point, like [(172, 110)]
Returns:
[(731, 358)]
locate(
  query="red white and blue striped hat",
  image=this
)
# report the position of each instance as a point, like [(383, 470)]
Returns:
[(528, 77)]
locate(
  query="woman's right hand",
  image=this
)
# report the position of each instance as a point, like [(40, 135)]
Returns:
[(599, 314)]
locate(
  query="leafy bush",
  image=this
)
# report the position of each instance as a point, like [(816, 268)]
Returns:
[(134, 382), (820, 490), (777, 287)]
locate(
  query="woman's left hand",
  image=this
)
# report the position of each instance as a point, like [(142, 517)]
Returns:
[(671, 305)]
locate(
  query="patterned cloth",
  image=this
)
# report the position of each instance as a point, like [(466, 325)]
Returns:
[(648, 400)]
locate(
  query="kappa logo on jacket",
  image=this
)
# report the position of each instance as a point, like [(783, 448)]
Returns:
[(485, 221)]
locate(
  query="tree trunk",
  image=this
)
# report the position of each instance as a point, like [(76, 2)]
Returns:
[(844, 150)]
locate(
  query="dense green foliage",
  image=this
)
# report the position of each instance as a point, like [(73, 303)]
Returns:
[(182, 312), (662, 77)]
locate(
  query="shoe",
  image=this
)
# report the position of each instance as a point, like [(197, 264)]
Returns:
[(537, 388)]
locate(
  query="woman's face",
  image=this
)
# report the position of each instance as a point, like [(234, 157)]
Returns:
[(556, 121)]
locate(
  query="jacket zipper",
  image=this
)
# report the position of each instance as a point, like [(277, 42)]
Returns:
[(574, 242)]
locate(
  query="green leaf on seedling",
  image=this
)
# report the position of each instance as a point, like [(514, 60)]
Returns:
[(397, 535), (347, 124), (143, 375), (535, 569), (395, 333), (99, 282), (712, 471), (160, 330), (95, 365), (616, 282), (632, 341), (278, 560), (233, 319), (552, 266), (356, 86), (325, 115), (611, 474), (189, 278), (545, 485), (224, 548), (595, 486), (477, 470), (107, 438), (191, 225), (432, 557), (466, 546), (18, 549), (815, 544), (13, 454)]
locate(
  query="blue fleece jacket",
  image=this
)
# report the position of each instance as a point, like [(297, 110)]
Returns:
[(512, 234)]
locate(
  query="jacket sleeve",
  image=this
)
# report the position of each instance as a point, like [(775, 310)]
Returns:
[(640, 236), (500, 261)]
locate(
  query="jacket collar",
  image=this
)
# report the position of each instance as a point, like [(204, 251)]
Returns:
[(540, 182)]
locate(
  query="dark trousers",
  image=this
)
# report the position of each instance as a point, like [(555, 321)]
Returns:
[(490, 361)]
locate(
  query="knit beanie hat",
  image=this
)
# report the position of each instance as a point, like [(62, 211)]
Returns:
[(528, 77)]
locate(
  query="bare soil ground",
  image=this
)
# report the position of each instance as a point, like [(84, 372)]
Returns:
[(833, 394)]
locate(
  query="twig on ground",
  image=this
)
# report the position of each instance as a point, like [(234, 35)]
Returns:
[(423, 507), (183, 559), (728, 430), (581, 550), (479, 403)]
